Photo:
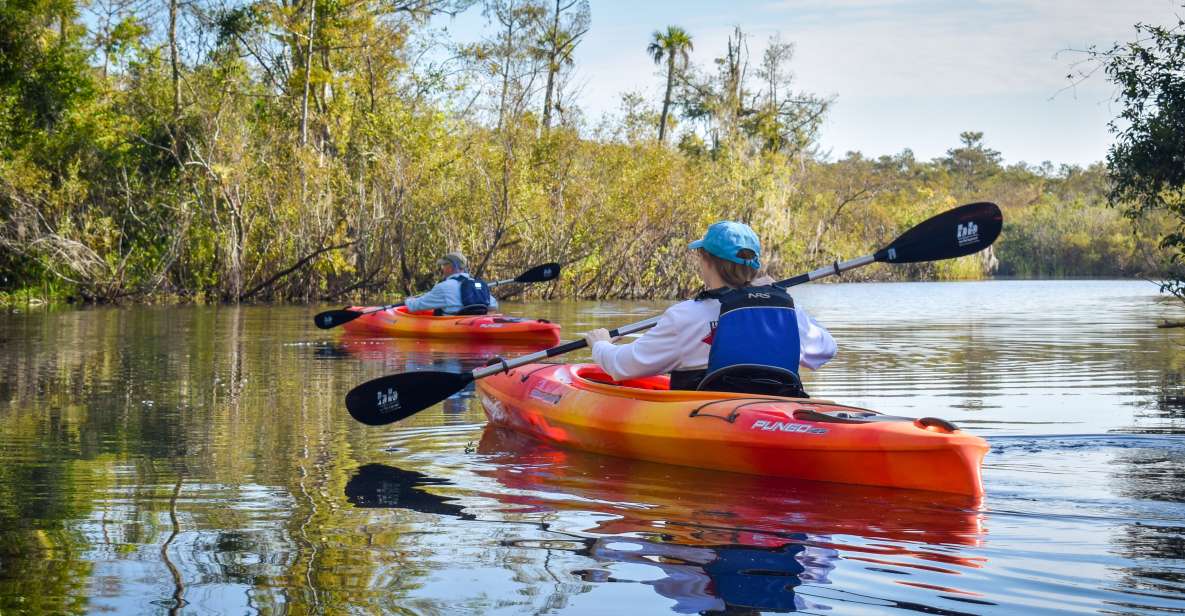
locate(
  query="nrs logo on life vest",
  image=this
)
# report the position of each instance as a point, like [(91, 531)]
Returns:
[(388, 401), (967, 234), (785, 426)]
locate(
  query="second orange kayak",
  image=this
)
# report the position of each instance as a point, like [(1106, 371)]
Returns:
[(399, 322), (580, 406)]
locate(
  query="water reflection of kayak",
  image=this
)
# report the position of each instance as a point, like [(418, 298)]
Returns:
[(722, 540), (709, 541), (471, 353), (700, 507), (399, 322), (580, 406)]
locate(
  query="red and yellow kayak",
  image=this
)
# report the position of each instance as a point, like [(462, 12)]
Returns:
[(400, 323), (580, 406)]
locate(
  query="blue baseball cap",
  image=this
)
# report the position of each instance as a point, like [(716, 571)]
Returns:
[(726, 239)]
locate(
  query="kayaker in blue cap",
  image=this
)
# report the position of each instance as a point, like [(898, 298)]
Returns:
[(738, 335), (458, 293)]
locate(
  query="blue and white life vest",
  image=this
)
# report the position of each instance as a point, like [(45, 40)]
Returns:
[(757, 326)]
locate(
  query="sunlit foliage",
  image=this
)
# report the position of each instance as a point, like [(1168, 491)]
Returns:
[(317, 150)]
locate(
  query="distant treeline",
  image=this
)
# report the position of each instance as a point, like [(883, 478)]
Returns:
[(312, 150)]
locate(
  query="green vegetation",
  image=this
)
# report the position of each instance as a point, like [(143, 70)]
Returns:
[(1145, 162), (316, 150)]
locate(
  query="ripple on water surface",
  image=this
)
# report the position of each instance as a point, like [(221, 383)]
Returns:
[(156, 458)]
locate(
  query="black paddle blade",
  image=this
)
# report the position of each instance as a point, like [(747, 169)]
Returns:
[(332, 318), (541, 273), (399, 396), (964, 230)]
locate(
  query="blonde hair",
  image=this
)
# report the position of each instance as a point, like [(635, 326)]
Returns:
[(735, 275)]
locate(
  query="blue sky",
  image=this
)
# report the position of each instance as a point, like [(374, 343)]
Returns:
[(904, 73)]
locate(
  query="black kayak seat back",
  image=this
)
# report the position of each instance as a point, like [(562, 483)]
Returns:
[(754, 379), (470, 310)]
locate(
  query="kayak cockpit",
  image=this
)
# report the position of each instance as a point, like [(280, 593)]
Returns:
[(594, 373), (658, 387)]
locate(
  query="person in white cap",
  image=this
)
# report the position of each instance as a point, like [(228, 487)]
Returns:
[(734, 325), (458, 293)]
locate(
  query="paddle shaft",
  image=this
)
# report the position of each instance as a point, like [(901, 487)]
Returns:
[(503, 365), (834, 269)]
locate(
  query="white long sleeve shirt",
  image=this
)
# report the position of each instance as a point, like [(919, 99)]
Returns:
[(680, 342), (446, 295)]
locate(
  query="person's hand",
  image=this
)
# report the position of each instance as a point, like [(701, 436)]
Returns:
[(595, 336)]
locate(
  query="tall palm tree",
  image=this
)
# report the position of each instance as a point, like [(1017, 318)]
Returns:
[(673, 46)]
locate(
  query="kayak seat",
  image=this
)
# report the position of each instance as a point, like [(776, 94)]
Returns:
[(473, 309), (465, 311), (754, 379), (596, 375)]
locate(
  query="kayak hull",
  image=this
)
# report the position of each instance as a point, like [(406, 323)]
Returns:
[(579, 406), (398, 322)]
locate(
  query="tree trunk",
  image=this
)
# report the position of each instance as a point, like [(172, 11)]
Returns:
[(507, 59), (308, 69), (551, 70), (173, 59), (552, 67), (666, 99)]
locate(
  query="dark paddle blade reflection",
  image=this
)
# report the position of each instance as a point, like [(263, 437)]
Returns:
[(382, 486)]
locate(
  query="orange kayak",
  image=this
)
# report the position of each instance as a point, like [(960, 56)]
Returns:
[(400, 323), (580, 406)]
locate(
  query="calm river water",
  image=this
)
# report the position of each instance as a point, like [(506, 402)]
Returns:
[(199, 460)]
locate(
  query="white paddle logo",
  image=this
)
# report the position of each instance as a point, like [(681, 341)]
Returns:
[(388, 401), (967, 234)]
